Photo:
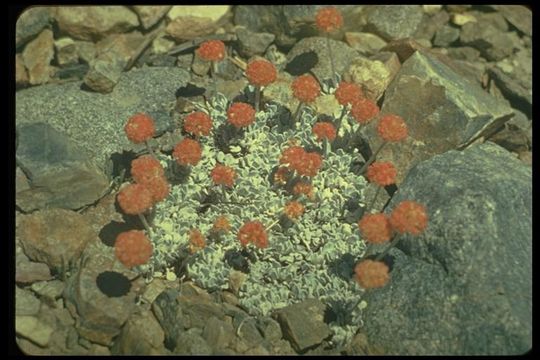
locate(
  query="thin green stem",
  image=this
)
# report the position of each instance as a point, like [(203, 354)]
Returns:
[(150, 149), (331, 60), (372, 158), (339, 120), (370, 207), (392, 244), (297, 113), (257, 98), (145, 224)]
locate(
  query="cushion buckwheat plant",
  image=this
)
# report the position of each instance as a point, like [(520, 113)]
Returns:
[(268, 177)]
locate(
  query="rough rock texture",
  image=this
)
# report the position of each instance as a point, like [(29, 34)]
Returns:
[(517, 15), (37, 56), (393, 22), (95, 121), (21, 75), (66, 51), (442, 111), (141, 335), (99, 317), (303, 324), (26, 303), (189, 22), (464, 287), (48, 236), (94, 22), (150, 15), (60, 172), (34, 329), (516, 135), (373, 75), (342, 54), (104, 73), (365, 43), (251, 43), (30, 23), (514, 90), (493, 43), (290, 22)]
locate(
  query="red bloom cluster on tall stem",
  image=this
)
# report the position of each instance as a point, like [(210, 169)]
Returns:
[(241, 114), (198, 123), (372, 274), (382, 173), (409, 217), (253, 232), (187, 152), (306, 88), (261, 73), (212, 50), (347, 93), (303, 162), (363, 110), (324, 130), (133, 248), (223, 175), (140, 128), (392, 128), (329, 19)]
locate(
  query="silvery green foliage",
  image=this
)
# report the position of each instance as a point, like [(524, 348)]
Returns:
[(312, 258)]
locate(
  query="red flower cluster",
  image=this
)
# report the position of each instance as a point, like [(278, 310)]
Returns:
[(382, 173), (375, 228), (212, 50), (148, 171), (198, 123), (187, 151), (261, 73), (196, 241), (304, 188), (221, 224), (293, 209), (409, 217), (133, 248), (371, 274), (241, 114), (303, 162), (139, 128), (364, 110), (324, 130), (329, 19), (306, 88), (223, 175), (135, 199), (145, 168), (392, 128), (347, 93), (253, 232)]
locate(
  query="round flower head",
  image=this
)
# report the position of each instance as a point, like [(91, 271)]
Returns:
[(324, 130), (409, 217), (223, 175), (306, 88), (375, 228), (253, 232), (293, 209), (241, 114), (364, 110), (145, 168), (133, 248), (221, 224), (261, 73), (135, 199), (292, 156), (196, 241), (303, 188), (371, 274), (329, 19), (187, 152), (198, 123), (382, 173), (139, 128), (212, 50), (392, 128), (159, 187), (310, 165), (347, 93)]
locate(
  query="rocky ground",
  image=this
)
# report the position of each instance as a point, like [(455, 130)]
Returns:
[(460, 75)]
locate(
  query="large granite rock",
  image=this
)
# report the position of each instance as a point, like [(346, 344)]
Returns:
[(464, 286), (442, 110), (61, 174), (393, 22), (30, 23), (94, 121)]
